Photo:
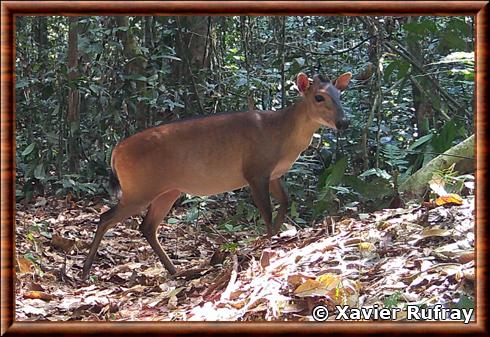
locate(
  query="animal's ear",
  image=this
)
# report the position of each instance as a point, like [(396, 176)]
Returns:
[(302, 83), (342, 81)]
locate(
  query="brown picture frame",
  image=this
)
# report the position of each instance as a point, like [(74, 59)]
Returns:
[(10, 9)]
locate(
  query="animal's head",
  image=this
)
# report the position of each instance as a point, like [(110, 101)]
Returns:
[(323, 99)]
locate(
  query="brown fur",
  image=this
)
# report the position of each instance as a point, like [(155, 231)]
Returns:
[(215, 154)]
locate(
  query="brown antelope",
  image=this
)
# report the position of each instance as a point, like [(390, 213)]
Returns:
[(216, 154)]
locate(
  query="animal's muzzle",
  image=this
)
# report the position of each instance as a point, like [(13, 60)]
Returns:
[(342, 124)]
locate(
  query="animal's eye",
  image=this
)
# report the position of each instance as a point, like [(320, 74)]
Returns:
[(319, 98)]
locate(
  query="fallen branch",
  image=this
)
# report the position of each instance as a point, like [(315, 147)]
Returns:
[(416, 185)]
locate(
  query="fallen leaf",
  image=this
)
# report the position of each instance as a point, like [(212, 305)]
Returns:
[(265, 257), (39, 295), (62, 243), (451, 199), (330, 281), (308, 285), (24, 265)]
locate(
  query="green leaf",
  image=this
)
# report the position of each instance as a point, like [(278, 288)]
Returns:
[(421, 28), (375, 172), (52, 137), (68, 183), (192, 214), (465, 302), (414, 27), (399, 67), (135, 77), (402, 69), (28, 149), (429, 25), (389, 70), (444, 140), (170, 57), (459, 25), (39, 172), (241, 81), (334, 173), (172, 221), (452, 41), (94, 88), (420, 141), (229, 247), (294, 210)]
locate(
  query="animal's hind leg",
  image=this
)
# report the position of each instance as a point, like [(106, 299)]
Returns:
[(108, 220), (158, 209)]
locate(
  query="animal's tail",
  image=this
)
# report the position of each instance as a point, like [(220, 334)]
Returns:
[(114, 185)]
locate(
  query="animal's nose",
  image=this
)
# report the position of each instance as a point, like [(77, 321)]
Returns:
[(342, 124)]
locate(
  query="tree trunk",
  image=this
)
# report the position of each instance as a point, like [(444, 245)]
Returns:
[(375, 96), (422, 105), (192, 48), (73, 116), (460, 154), (136, 65), (41, 34)]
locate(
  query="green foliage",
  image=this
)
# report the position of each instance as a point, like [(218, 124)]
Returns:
[(398, 67), (444, 140), (328, 185), (392, 300), (465, 302), (395, 157), (250, 61), (229, 247), (196, 206), (452, 181), (429, 146), (372, 189)]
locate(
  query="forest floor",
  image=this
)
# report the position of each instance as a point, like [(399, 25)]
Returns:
[(422, 254)]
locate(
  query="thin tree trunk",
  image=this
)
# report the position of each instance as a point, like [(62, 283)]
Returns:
[(421, 103), (136, 65), (245, 32), (282, 53), (73, 114), (192, 49), (375, 97)]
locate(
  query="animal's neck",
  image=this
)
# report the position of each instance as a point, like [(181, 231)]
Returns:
[(300, 127)]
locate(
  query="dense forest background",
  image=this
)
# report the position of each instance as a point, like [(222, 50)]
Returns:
[(85, 83)]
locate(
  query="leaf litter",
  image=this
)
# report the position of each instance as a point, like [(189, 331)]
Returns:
[(416, 255)]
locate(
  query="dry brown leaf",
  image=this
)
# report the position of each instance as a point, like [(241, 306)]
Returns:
[(62, 243), (451, 199), (24, 265), (265, 257), (258, 294), (34, 294), (308, 285), (466, 256), (238, 304), (330, 281), (430, 232), (321, 286), (366, 248), (296, 279)]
